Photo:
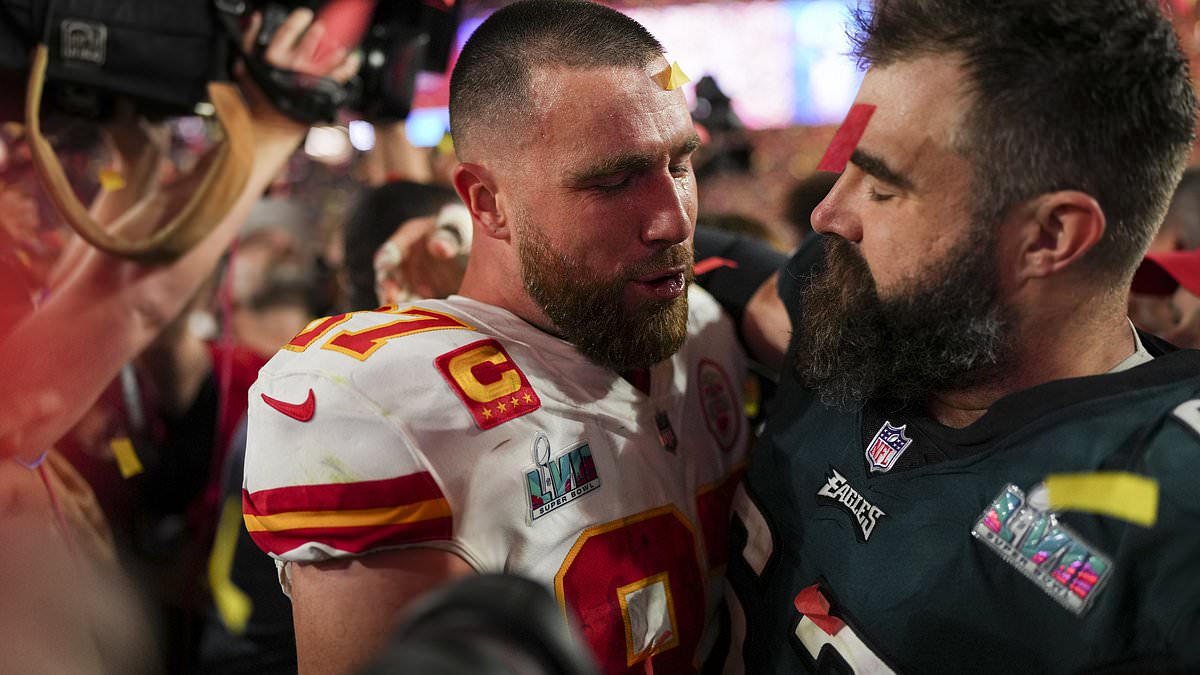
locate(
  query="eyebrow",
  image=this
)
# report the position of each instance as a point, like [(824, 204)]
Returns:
[(630, 163), (875, 166)]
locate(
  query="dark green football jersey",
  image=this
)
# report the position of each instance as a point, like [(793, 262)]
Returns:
[(880, 539)]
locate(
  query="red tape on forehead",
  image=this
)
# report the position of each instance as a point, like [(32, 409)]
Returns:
[(846, 139)]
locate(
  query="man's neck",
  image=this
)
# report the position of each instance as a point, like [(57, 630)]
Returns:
[(493, 286), (1043, 356)]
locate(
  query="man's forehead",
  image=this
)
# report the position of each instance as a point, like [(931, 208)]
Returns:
[(922, 94), (601, 89), (918, 108), (576, 109)]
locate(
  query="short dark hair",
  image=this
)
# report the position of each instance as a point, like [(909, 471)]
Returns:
[(490, 86), (1184, 212), (1088, 95)]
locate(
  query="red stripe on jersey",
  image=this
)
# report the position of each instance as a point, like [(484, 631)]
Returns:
[(356, 539), (370, 494)]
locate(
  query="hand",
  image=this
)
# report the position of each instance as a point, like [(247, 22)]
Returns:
[(296, 46), (1151, 313), (421, 260), (131, 138), (26, 413), (1186, 329)]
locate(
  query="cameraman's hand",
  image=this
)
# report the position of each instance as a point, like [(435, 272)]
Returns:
[(132, 140), (295, 46)]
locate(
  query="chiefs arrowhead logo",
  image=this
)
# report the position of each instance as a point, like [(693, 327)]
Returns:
[(297, 411)]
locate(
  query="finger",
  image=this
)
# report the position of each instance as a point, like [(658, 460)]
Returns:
[(305, 53), (251, 32), (1183, 336), (410, 233), (279, 52), (348, 68), (442, 248)]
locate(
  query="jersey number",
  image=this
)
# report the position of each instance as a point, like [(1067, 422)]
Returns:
[(363, 343), (645, 570), (829, 653)]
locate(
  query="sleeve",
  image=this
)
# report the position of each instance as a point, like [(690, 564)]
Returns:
[(330, 474), (1174, 586)]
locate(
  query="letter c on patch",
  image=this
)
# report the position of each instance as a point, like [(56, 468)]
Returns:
[(485, 374)]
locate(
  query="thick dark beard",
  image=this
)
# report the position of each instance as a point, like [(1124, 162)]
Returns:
[(588, 310), (943, 331)]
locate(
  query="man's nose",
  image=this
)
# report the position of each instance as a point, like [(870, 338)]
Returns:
[(669, 213), (834, 214)]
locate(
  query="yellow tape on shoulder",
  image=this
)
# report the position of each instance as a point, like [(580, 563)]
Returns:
[(1118, 494)]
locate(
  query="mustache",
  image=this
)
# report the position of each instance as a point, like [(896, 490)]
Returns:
[(679, 255)]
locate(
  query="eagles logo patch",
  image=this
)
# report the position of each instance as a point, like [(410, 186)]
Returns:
[(489, 383), (837, 491)]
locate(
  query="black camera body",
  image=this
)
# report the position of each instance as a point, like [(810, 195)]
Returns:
[(162, 55)]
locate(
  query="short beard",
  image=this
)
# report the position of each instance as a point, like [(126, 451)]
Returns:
[(588, 310), (942, 331)]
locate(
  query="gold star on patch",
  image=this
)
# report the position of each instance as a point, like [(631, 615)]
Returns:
[(501, 407), (487, 414), (515, 402), (528, 398)]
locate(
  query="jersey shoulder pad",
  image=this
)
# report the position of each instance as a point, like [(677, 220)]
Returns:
[(711, 334), (330, 473), (417, 360), (388, 335), (1188, 415), (703, 309), (1173, 454)]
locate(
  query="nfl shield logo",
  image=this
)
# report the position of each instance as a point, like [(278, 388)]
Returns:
[(887, 446)]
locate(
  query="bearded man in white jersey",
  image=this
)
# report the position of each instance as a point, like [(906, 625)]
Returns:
[(574, 415)]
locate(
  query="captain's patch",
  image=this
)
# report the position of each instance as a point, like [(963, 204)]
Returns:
[(1046, 551), (489, 383)]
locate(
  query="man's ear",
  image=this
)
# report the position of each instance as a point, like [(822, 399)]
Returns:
[(477, 189), (1061, 227)]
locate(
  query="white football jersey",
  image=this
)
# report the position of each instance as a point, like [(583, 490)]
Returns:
[(457, 425)]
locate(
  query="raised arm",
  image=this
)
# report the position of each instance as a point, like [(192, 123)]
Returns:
[(106, 310)]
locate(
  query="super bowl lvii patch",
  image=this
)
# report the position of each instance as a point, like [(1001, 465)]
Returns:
[(1046, 551), (554, 482)]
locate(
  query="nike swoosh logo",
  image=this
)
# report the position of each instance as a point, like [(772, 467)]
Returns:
[(297, 411)]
